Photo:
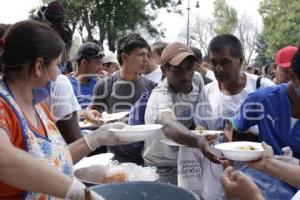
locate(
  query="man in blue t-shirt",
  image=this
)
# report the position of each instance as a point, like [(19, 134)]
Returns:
[(89, 60), (276, 111)]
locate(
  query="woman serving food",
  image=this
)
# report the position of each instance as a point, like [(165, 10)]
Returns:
[(35, 162)]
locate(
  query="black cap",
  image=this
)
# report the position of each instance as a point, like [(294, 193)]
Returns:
[(88, 50)]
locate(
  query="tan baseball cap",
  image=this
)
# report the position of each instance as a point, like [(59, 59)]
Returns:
[(175, 53)]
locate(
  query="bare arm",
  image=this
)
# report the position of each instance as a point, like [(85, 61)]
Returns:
[(237, 186), (69, 128), (180, 134), (276, 168), (177, 132), (21, 170)]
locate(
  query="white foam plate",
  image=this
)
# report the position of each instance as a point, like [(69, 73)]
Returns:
[(171, 142), (208, 132), (239, 151), (113, 117), (137, 133)]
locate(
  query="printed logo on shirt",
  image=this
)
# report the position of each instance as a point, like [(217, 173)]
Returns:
[(272, 119)]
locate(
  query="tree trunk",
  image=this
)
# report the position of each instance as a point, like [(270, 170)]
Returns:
[(87, 24)]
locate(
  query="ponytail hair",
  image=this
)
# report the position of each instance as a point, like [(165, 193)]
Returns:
[(54, 16)]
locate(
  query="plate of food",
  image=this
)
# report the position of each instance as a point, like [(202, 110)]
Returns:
[(87, 124), (203, 132), (137, 133), (116, 173), (241, 151), (171, 142), (104, 118)]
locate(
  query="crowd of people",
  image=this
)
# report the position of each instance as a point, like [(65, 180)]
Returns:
[(44, 94)]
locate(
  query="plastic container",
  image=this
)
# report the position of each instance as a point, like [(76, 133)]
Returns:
[(142, 190), (99, 174)]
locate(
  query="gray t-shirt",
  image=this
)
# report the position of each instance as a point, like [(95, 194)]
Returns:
[(115, 95)]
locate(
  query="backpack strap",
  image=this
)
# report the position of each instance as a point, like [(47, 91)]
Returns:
[(258, 80)]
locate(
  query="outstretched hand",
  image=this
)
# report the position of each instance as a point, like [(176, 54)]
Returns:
[(266, 158), (210, 155), (238, 186), (93, 116)]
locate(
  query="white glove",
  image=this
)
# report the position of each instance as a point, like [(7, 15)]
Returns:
[(102, 136), (287, 156), (76, 192)]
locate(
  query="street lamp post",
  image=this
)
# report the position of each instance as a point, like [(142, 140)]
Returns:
[(188, 37), (188, 25)]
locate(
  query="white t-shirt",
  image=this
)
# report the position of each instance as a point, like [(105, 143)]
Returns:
[(62, 100), (212, 109), (155, 75), (296, 196), (293, 121), (210, 74), (164, 99), (214, 106)]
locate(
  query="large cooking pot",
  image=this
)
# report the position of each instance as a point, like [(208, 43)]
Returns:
[(98, 174), (141, 190)]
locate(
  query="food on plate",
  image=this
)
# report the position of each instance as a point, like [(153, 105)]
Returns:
[(86, 122), (115, 176), (247, 148), (199, 130)]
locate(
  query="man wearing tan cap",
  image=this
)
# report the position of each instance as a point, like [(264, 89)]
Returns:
[(172, 104), (218, 102)]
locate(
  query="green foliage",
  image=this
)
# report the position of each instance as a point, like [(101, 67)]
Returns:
[(111, 19), (281, 20), (260, 49), (225, 17)]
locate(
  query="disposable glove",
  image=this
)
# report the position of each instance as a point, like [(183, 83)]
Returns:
[(103, 137), (76, 192), (287, 156)]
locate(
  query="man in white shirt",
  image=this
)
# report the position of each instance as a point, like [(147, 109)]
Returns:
[(218, 102)]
